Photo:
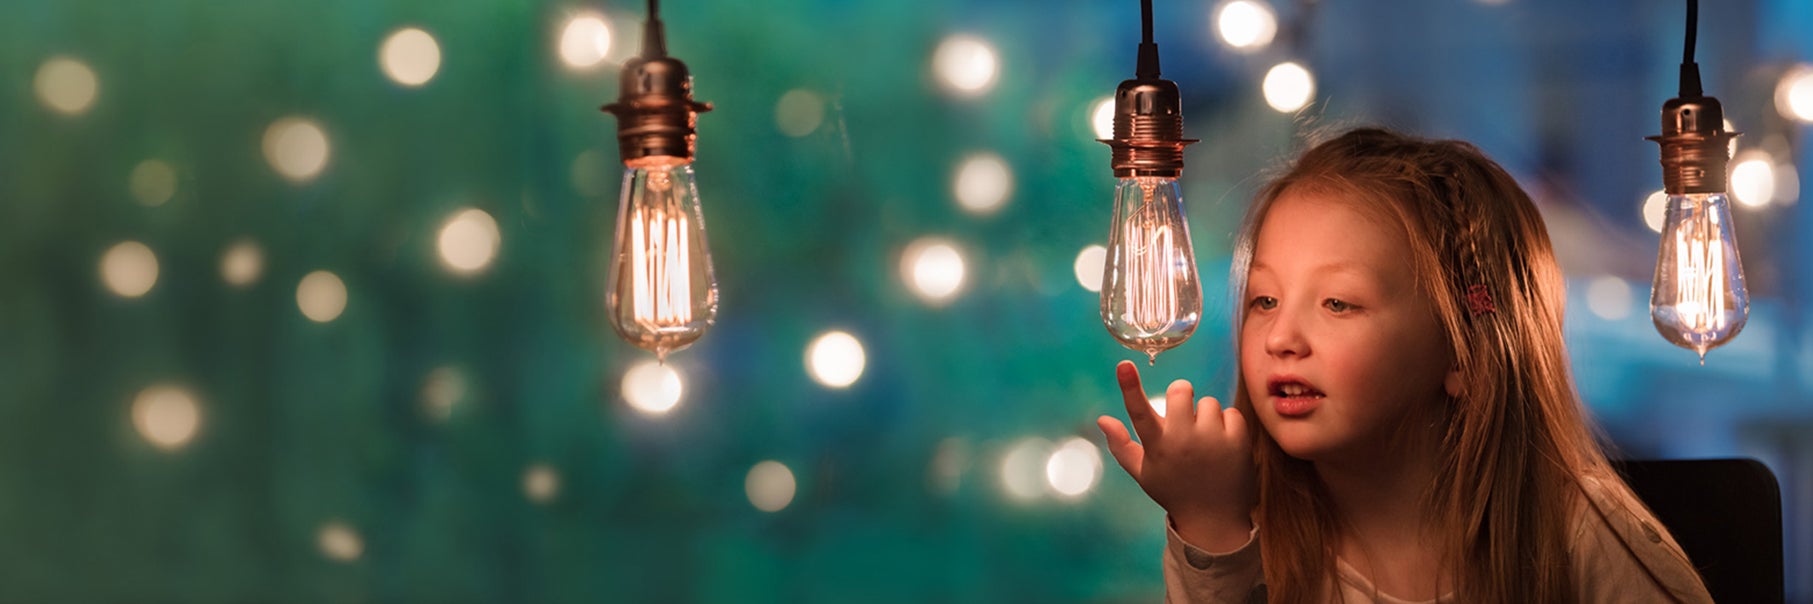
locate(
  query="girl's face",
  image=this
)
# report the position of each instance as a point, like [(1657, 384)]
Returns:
[(1338, 347)]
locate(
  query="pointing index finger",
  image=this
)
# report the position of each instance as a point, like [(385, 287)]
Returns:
[(1139, 409)]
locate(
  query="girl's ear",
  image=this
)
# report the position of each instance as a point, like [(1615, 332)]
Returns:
[(1451, 382)]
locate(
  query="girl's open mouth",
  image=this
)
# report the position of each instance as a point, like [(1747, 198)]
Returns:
[(1293, 397)]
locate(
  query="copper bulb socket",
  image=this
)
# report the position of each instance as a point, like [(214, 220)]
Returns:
[(656, 115), (1695, 146), (1148, 129)]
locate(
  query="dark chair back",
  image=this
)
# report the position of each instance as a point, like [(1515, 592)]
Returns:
[(1727, 516)]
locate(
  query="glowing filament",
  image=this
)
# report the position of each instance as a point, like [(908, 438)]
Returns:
[(1701, 286), (1151, 292), (660, 282), (1151, 300)]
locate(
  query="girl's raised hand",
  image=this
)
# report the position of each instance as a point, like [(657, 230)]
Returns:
[(1198, 466)]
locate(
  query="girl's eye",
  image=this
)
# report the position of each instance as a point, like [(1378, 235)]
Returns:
[(1337, 306), (1265, 302)]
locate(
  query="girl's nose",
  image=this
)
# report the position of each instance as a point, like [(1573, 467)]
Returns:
[(1284, 338)]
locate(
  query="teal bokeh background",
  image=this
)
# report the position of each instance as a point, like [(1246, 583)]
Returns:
[(382, 456)]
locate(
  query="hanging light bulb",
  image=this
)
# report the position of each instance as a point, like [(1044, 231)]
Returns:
[(662, 294), (1698, 301), (1151, 297)]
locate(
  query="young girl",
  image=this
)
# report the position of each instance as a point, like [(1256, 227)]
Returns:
[(1419, 438)]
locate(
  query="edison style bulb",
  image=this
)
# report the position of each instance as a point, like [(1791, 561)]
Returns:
[(662, 292), (1699, 301), (1151, 297)]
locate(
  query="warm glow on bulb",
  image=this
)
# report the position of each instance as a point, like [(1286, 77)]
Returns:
[(1699, 300), (659, 260), (1702, 301), (1151, 294), (1151, 298), (663, 294)]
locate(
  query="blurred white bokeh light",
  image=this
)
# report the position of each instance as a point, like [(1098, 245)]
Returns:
[(933, 269), (1101, 118), (296, 148), (1609, 298), (468, 241), (1074, 467), (322, 296), (1089, 266), (66, 85), (1753, 178), (585, 41), (129, 269), (153, 183), (1246, 25), (799, 112), (983, 183), (410, 57), (242, 263), (1288, 87), (835, 359), (770, 486), (1794, 94), (166, 416), (966, 65), (652, 387)]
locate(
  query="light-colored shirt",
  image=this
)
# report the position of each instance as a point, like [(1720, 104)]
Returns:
[(1619, 555)]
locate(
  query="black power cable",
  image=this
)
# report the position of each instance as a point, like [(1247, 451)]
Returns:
[(1148, 50), (1690, 71)]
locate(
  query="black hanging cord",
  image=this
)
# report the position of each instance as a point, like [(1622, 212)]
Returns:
[(654, 37), (1690, 71), (1148, 50), (1145, 13), (1693, 27)]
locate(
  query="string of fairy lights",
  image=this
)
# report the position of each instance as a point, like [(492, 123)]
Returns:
[(298, 149)]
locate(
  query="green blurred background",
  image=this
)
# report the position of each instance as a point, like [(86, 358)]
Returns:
[(256, 347)]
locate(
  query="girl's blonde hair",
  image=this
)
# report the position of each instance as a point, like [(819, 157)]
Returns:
[(1517, 439)]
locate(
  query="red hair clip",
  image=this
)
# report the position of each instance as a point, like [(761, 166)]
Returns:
[(1479, 300)]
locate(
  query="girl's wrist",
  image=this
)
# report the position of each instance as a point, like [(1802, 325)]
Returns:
[(1211, 531)]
